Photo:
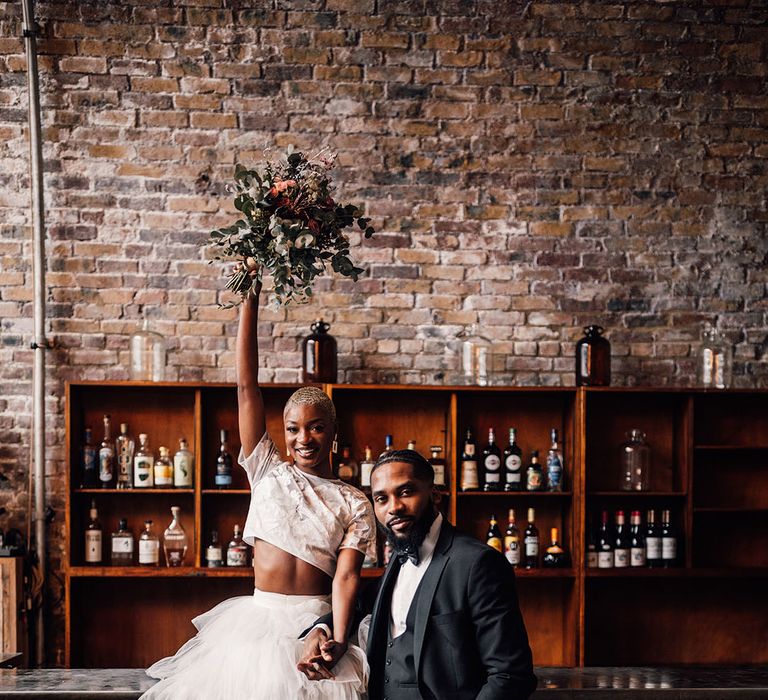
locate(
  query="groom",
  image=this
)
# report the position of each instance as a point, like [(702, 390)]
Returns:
[(445, 617)]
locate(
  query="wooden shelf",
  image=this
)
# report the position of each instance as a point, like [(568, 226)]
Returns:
[(541, 572), (226, 492), (178, 572), (640, 494), (97, 491), (722, 448), (516, 494), (730, 509), (678, 572)]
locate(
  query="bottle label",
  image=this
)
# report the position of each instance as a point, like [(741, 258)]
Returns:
[(533, 482), (514, 477), (182, 470), (531, 546), (512, 550), (149, 551), (620, 558), (143, 468), (93, 546), (213, 556), (514, 463), (495, 542), (237, 556), (124, 465), (106, 464), (439, 475), (175, 557), (122, 544), (668, 548), (223, 480), (346, 473), (365, 473), (492, 463), (637, 556), (469, 479), (653, 547), (605, 560), (555, 474), (591, 560), (89, 459), (163, 475)]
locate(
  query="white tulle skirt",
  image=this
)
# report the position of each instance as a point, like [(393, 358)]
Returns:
[(247, 648)]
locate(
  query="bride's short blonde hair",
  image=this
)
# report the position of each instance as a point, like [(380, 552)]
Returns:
[(312, 396)]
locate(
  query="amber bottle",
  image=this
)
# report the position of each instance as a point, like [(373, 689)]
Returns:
[(319, 355), (593, 358)]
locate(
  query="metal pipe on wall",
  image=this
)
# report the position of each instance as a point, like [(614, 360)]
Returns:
[(39, 343)]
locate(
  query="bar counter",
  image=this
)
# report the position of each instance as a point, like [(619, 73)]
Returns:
[(607, 683)]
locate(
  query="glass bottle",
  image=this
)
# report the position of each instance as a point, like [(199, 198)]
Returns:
[(534, 480), (237, 550), (366, 466), (620, 542), (512, 541), (476, 358), (124, 447), (183, 466), (411, 445), (106, 458), (147, 355), (493, 538), (223, 478), (213, 553), (636, 541), (93, 537), (319, 355), (438, 465), (531, 540), (149, 546), (513, 463), (555, 467), (90, 461), (175, 540), (593, 358), (387, 446), (715, 368), (555, 556), (122, 545), (668, 541), (143, 465), (591, 544), (469, 476), (163, 469), (635, 462), (347, 469), (491, 464), (652, 541), (605, 557)]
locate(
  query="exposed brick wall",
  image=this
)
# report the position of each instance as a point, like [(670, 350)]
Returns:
[(533, 167)]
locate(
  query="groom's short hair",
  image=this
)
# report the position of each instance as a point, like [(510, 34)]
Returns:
[(422, 469)]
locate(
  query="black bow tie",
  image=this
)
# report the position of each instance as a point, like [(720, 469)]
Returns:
[(403, 557)]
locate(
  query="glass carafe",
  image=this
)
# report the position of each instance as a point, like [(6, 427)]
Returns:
[(175, 540), (715, 360), (635, 462), (477, 362), (147, 355)]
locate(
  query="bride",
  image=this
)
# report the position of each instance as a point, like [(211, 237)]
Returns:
[(309, 532)]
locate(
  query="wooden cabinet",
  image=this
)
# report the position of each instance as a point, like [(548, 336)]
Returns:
[(709, 468)]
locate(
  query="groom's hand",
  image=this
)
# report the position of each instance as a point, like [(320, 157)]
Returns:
[(313, 660)]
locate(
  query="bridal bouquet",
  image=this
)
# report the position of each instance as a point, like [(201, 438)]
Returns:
[(291, 228)]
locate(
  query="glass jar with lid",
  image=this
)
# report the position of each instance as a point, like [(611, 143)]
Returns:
[(593, 358), (635, 462), (147, 355), (715, 367), (319, 355)]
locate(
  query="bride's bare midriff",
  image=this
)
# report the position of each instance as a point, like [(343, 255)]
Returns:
[(276, 571)]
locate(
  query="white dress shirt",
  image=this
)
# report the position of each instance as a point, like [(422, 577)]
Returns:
[(409, 577)]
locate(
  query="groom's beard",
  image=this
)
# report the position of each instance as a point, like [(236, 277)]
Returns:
[(413, 539)]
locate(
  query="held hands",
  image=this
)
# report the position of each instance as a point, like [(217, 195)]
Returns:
[(320, 655)]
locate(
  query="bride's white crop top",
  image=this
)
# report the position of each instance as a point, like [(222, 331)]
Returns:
[(307, 516)]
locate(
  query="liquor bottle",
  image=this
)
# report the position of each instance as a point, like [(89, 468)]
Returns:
[(122, 545), (668, 541), (493, 538), (469, 477), (591, 544), (387, 446), (90, 461), (183, 466), (223, 478), (124, 447), (513, 464), (491, 464), (411, 445), (652, 541), (512, 541), (555, 468), (213, 554), (438, 465), (531, 540), (347, 469), (386, 553), (106, 458), (237, 550), (163, 469), (143, 464), (620, 542), (636, 542), (149, 546), (605, 556), (534, 475), (93, 537), (555, 557), (366, 466), (175, 540)]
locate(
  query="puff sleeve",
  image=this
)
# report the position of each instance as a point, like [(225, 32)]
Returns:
[(360, 533)]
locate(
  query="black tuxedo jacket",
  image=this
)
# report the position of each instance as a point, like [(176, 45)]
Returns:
[(469, 636)]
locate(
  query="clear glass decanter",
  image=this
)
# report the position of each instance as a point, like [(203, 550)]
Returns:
[(175, 540), (147, 355), (635, 462), (715, 368)]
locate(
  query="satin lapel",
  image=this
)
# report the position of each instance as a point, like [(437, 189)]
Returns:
[(384, 596), (428, 587)]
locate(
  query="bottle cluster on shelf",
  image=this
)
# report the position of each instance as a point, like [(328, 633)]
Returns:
[(525, 552), (120, 464), (497, 470), (618, 545)]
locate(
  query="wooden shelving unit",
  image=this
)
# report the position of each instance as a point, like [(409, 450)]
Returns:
[(709, 468)]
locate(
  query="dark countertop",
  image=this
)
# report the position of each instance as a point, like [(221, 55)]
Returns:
[(608, 683)]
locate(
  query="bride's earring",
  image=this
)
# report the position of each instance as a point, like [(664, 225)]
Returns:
[(287, 452), (335, 445)]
